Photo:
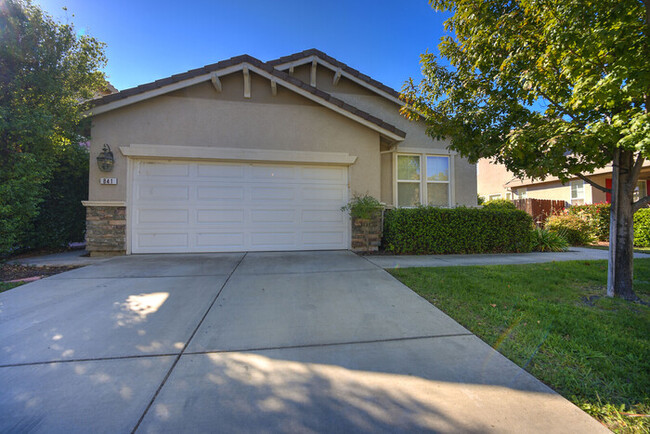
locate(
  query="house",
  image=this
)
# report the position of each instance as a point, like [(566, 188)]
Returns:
[(496, 182), (245, 155)]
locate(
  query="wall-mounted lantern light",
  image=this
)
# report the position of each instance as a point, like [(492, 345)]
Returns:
[(105, 159)]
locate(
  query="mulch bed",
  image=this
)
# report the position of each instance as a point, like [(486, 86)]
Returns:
[(12, 272)]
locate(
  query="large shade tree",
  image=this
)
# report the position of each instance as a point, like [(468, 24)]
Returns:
[(547, 88), (46, 70)]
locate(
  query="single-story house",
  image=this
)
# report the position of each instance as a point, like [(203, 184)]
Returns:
[(245, 155), (496, 182)]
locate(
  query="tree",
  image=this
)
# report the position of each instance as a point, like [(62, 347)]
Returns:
[(557, 87), (46, 70)]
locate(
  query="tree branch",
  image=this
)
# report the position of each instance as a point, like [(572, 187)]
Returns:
[(635, 172), (640, 203), (593, 184)]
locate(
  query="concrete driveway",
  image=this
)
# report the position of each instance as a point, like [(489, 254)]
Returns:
[(262, 342)]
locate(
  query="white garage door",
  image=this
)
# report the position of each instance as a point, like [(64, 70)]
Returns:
[(221, 207)]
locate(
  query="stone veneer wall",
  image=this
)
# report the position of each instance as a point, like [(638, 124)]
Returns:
[(106, 230), (366, 233)]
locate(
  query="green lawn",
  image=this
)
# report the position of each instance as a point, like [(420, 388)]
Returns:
[(554, 321)]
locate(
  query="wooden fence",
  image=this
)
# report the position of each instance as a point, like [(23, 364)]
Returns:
[(539, 209)]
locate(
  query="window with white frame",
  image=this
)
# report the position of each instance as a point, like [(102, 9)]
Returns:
[(431, 189), (641, 190), (577, 192), (494, 197), (509, 195)]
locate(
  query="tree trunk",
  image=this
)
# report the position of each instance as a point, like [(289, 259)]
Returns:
[(622, 229)]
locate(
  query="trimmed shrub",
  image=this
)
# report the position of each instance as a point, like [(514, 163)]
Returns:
[(362, 207), (642, 228), (547, 241), (499, 204), (597, 215), (576, 230), (431, 230)]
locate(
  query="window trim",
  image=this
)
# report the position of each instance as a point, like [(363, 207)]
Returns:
[(423, 177), (577, 198)]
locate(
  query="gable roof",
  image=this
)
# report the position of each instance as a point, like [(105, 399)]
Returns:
[(353, 74), (205, 73)]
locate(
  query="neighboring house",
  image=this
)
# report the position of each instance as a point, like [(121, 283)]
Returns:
[(496, 182), (249, 155)]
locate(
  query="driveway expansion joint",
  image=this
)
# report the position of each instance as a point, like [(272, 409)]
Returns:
[(94, 359), (178, 357), (329, 344)]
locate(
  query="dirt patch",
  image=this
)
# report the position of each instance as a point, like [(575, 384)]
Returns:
[(589, 301), (12, 272)]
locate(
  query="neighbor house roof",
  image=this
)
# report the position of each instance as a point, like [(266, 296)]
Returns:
[(376, 85), (195, 76)]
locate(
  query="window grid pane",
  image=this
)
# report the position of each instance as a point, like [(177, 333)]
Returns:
[(438, 194), (408, 167), (437, 168), (408, 194)]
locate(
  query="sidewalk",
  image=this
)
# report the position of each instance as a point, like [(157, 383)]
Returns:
[(406, 261)]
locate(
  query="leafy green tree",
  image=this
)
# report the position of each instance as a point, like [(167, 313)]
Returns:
[(46, 70), (557, 87)]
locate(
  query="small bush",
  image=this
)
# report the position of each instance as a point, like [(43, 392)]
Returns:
[(642, 228), (597, 215), (547, 241), (499, 204), (480, 199), (576, 230), (431, 230), (362, 207)]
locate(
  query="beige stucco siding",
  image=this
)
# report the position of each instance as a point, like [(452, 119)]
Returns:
[(200, 116), (416, 137), (465, 175)]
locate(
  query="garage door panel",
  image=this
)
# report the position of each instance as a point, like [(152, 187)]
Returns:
[(323, 216), (335, 193), (323, 238), (150, 192), (273, 193), (208, 216), (155, 169), (228, 192), (162, 215), (220, 241), (226, 171), (273, 215), (159, 239), (237, 206)]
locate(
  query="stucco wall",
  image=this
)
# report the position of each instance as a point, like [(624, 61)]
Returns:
[(416, 137), (200, 116)]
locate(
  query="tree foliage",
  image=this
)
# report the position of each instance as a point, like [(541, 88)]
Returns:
[(553, 87), (46, 70), (545, 87)]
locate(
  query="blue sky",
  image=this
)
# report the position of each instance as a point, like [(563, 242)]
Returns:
[(147, 40)]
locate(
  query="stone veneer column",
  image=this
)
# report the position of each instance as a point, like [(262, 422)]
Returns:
[(367, 233), (105, 230)]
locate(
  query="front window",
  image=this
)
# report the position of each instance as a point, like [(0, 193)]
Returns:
[(509, 195), (494, 197), (437, 181), (413, 189), (408, 180), (577, 192)]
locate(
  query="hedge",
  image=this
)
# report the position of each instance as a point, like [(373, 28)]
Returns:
[(430, 230), (642, 228)]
